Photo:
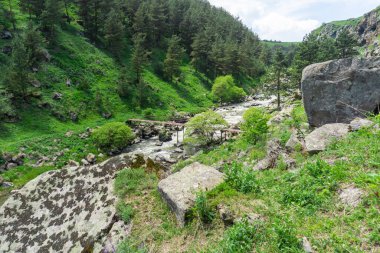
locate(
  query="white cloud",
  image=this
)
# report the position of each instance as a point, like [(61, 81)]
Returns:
[(290, 20)]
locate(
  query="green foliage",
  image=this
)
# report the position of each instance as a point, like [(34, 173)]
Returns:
[(242, 179), (6, 108), (255, 125), (173, 58), (113, 136), (125, 212), (286, 236), (240, 238), (346, 44), (315, 185), (51, 17), (225, 90), (126, 247), (114, 30), (202, 209), (132, 182), (201, 129)]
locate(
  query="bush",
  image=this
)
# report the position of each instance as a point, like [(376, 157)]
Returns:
[(241, 179), (255, 125), (238, 239), (202, 210), (125, 212), (225, 90), (201, 129), (113, 136)]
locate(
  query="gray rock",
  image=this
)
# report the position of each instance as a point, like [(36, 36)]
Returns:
[(307, 245), (165, 136), (341, 90), (6, 185), (7, 50), (351, 196), (119, 232), (84, 162), (68, 210), (11, 166), (179, 190), (1, 180), (319, 139), (57, 96), (294, 142), (273, 151), (91, 158), (73, 163), (360, 123), (289, 161), (226, 215), (6, 35)]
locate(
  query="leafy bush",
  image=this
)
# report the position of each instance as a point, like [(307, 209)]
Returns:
[(125, 212), (201, 129), (202, 209), (255, 125), (113, 136), (241, 179), (225, 90), (132, 181), (314, 185), (286, 236), (238, 239)]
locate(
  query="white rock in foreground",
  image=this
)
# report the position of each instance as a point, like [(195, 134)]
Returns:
[(68, 210), (179, 190), (320, 138)]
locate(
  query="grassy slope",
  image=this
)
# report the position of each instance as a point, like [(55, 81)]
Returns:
[(292, 204)]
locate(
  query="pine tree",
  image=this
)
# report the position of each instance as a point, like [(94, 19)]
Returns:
[(279, 66), (6, 108), (173, 58), (346, 44), (33, 41), (16, 80), (114, 31), (51, 18), (32, 7)]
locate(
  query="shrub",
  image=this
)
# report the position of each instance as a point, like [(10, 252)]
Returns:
[(238, 239), (202, 209), (241, 179), (125, 212), (127, 247), (255, 125), (201, 129), (287, 240), (225, 90), (113, 136)]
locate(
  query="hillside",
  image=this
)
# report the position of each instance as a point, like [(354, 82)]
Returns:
[(365, 28), (85, 82)]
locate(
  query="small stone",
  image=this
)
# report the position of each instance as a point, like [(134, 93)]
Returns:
[(73, 163), (178, 150), (91, 158), (1, 180), (159, 143), (101, 155), (320, 138), (359, 123), (57, 96), (307, 245), (226, 215), (69, 134), (7, 184), (351, 196), (85, 162), (11, 166)]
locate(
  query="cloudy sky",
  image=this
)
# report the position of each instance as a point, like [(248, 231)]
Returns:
[(290, 20)]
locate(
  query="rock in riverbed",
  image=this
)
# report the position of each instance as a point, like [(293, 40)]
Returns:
[(179, 190), (68, 210)]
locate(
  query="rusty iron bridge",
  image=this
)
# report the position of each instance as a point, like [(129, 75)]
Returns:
[(224, 133)]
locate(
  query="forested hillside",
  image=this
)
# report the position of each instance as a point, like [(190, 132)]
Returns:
[(79, 61)]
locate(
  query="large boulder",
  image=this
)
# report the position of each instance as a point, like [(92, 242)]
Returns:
[(179, 190), (339, 91), (68, 210), (320, 138)]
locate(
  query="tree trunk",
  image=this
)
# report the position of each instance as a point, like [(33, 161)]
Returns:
[(67, 12), (278, 92)]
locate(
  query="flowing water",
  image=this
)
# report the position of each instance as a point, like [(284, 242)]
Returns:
[(233, 114)]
